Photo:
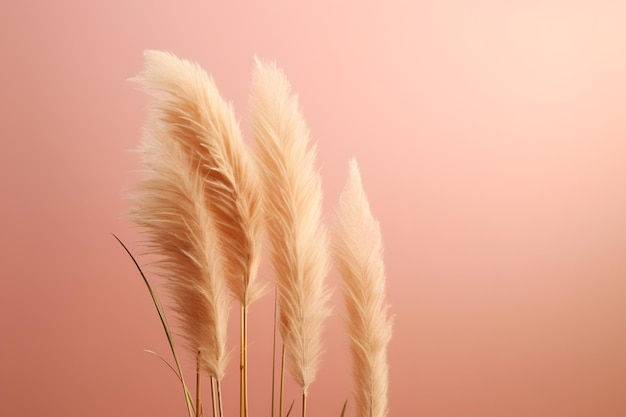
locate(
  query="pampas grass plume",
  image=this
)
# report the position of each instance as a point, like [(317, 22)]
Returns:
[(299, 243), (357, 252), (204, 204), (189, 108), (170, 208)]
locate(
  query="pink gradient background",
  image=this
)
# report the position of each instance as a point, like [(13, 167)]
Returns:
[(492, 142)]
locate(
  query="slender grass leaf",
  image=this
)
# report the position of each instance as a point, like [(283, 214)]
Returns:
[(157, 303), (290, 408), (169, 365), (343, 409)]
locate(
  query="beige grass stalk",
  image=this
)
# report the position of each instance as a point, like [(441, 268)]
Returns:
[(192, 110), (299, 244), (170, 208), (357, 252)]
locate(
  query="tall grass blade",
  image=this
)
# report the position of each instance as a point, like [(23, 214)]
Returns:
[(290, 408), (343, 409), (157, 304)]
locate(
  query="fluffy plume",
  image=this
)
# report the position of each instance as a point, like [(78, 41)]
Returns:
[(357, 252), (189, 108), (293, 206), (170, 208)]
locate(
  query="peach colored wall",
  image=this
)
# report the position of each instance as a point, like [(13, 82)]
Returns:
[(492, 143)]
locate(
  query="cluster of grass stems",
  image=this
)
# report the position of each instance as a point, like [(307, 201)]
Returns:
[(207, 204)]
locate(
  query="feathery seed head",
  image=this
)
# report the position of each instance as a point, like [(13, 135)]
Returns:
[(293, 205), (357, 253)]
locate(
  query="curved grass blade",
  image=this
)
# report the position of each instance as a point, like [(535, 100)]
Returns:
[(169, 365), (170, 339), (343, 409), (290, 408)]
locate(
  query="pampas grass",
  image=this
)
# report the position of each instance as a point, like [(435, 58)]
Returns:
[(293, 206), (189, 109), (181, 233), (357, 252), (202, 207)]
